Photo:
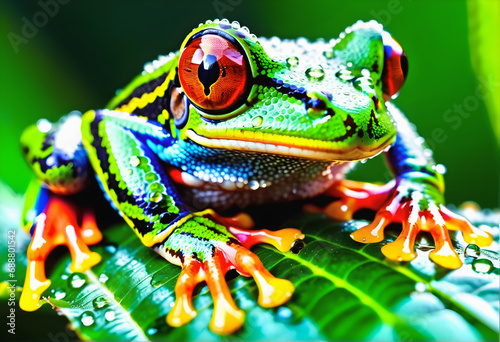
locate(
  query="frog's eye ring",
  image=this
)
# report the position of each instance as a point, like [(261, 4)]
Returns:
[(214, 72), (395, 67)]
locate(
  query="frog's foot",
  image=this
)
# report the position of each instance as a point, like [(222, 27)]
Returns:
[(353, 196), (415, 206), (211, 258), (58, 225)]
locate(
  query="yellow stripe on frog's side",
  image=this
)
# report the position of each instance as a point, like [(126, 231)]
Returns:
[(147, 98)]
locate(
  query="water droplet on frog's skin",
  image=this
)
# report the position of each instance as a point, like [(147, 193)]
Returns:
[(292, 61), (482, 266), (110, 315), (344, 75), (159, 279), (329, 54), (439, 168), (59, 294), (257, 121), (152, 331), (64, 277), (315, 73), (100, 302), (235, 25), (87, 318), (472, 251), (77, 280), (134, 161)]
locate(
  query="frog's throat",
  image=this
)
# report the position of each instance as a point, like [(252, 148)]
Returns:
[(294, 147)]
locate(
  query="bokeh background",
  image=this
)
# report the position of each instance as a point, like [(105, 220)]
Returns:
[(79, 52)]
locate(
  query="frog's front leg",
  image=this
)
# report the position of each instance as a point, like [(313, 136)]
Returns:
[(415, 198), (204, 244), (56, 155)]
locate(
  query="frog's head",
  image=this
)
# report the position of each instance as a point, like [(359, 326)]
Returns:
[(322, 100)]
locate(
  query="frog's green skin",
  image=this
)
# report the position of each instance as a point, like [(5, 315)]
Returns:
[(310, 109)]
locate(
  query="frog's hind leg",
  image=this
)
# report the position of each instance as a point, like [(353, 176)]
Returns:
[(56, 155)]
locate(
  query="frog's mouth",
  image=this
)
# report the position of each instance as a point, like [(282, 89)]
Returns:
[(290, 146)]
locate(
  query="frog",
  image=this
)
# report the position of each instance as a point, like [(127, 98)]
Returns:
[(232, 120)]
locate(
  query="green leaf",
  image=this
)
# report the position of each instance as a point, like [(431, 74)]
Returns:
[(344, 290)]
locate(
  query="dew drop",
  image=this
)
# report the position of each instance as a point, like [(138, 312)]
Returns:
[(134, 161), (292, 61), (159, 279), (253, 184), (420, 287), (344, 75), (482, 266), (59, 294), (110, 315), (315, 73), (472, 251), (235, 25), (103, 278), (110, 249), (100, 302), (43, 125), (152, 331), (77, 280), (329, 54), (364, 84), (257, 121), (439, 168), (284, 314), (87, 318)]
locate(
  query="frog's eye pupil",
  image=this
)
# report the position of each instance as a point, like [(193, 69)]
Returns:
[(214, 73), (208, 73), (395, 67)]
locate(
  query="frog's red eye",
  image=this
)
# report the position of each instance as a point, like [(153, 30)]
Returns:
[(395, 67), (214, 73)]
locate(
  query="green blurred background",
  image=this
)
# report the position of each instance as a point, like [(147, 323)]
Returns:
[(83, 51)]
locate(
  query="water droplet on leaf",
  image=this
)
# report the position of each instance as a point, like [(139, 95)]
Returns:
[(159, 279), (482, 266), (100, 302), (87, 318), (110, 315), (284, 314), (77, 280), (472, 251), (59, 294)]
